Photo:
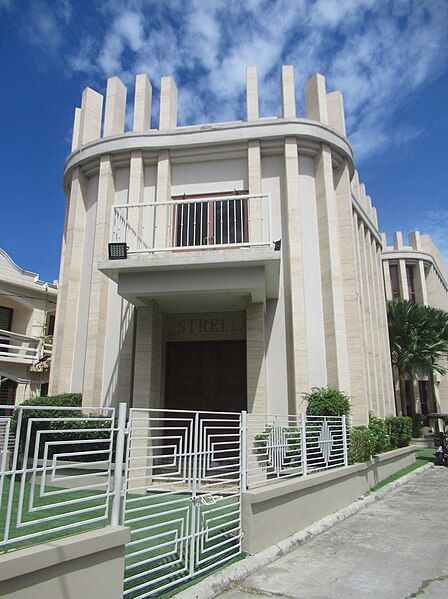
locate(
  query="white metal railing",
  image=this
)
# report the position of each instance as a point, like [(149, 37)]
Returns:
[(201, 223), (280, 446), (24, 348)]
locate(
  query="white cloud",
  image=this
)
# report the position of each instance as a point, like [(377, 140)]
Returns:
[(376, 51)]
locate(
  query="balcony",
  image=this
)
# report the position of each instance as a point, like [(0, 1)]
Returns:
[(184, 251), (24, 349), (209, 223)]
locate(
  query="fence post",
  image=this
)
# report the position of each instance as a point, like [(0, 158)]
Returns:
[(244, 474), (344, 439), (119, 459), (303, 443)]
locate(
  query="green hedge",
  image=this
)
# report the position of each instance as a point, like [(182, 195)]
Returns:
[(323, 401), (400, 430), (362, 444), (379, 429), (61, 420)]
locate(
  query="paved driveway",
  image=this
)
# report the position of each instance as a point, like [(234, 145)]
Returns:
[(396, 548)]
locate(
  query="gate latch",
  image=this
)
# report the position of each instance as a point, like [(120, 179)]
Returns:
[(204, 499)]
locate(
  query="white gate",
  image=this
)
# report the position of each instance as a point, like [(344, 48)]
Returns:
[(182, 496)]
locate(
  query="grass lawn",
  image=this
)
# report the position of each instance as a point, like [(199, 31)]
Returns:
[(422, 457)]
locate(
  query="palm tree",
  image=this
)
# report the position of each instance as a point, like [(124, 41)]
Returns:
[(418, 337)]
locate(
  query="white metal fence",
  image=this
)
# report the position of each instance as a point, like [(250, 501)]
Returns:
[(174, 477), (279, 446), (201, 223)]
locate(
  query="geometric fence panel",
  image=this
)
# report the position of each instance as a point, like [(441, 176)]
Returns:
[(183, 496)]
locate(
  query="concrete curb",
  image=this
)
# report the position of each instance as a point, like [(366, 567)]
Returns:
[(221, 581)]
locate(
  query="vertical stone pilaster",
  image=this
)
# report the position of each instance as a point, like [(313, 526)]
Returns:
[(168, 104), (91, 113), (252, 93), (69, 286), (115, 112), (419, 271), (76, 126), (256, 362), (255, 205), (402, 280), (295, 274), (377, 303), (330, 261), (147, 361), (163, 194), (316, 99), (288, 92), (350, 285), (142, 103), (335, 108), (99, 285)]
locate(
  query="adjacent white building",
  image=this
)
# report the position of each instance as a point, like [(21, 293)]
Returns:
[(27, 316), (253, 269), (417, 272)]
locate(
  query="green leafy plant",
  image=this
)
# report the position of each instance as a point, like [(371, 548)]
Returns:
[(362, 444), (400, 430), (418, 337), (418, 421), (379, 429), (323, 401)]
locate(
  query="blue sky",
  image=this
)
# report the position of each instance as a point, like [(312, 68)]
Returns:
[(389, 58)]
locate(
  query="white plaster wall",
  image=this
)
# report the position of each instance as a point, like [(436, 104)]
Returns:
[(84, 291), (315, 334), (121, 185), (272, 168), (212, 176), (150, 179)]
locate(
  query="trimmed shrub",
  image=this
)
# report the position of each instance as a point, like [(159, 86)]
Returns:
[(379, 429), (323, 401), (418, 422), (362, 444), (400, 430)]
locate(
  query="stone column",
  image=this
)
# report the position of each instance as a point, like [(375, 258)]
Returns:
[(163, 194), (350, 285), (377, 303), (419, 271), (293, 254), (330, 260), (75, 132), (68, 297), (402, 278), (336, 115), (256, 365), (254, 160), (115, 112), (98, 310), (168, 104), (142, 104), (90, 119)]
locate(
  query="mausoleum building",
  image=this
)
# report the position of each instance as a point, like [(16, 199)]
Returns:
[(249, 258)]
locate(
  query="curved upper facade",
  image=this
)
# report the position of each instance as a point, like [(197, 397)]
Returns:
[(199, 208)]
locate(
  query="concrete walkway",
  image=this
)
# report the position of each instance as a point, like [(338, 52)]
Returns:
[(396, 548)]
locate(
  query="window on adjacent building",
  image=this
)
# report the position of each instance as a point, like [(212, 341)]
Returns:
[(6, 318), (393, 268), (8, 389), (423, 391), (50, 324), (410, 279)]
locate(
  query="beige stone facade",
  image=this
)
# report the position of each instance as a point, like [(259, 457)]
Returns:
[(417, 272), (256, 234), (27, 311)]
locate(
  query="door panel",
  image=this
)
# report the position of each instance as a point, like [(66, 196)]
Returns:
[(206, 375)]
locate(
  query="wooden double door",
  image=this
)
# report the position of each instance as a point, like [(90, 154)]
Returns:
[(206, 375)]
